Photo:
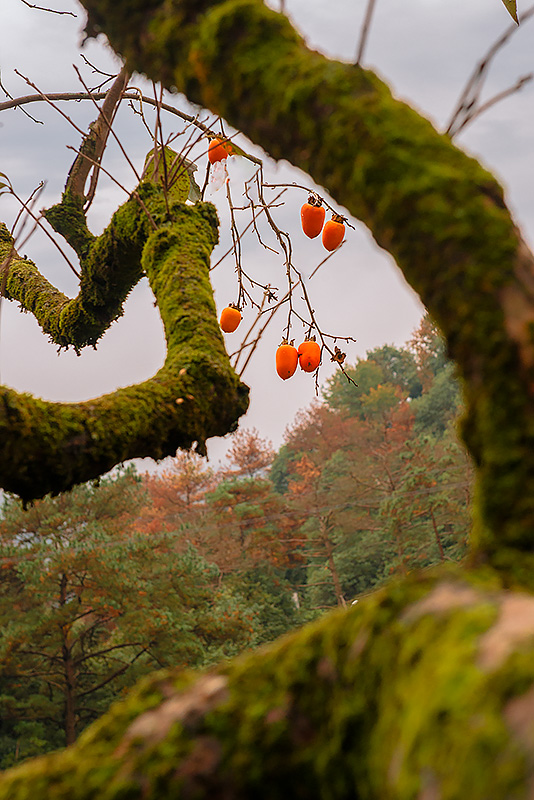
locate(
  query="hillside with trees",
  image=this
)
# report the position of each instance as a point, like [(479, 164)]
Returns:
[(188, 566)]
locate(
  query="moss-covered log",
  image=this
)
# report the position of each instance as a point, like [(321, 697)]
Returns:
[(432, 207), (48, 447), (423, 692)]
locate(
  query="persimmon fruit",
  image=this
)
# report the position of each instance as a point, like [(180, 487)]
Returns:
[(309, 354), (333, 232), (286, 360), (312, 216), (230, 319), (218, 151)]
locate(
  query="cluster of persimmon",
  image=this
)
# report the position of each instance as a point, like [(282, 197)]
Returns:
[(308, 356), (312, 215), (218, 150)]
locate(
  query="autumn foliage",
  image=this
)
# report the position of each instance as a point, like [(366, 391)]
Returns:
[(196, 562)]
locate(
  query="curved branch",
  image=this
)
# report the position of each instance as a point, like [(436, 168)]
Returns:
[(48, 447), (110, 267), (131, 94)]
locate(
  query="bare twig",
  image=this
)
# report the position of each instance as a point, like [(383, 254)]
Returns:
[(470, 95), (364, 34), (94, 143), (256, 341), (134, 194), (96, 69), (475, 111), (131, 94), (320, 264), (30, 203), (159, 129), (38, 222), (51, 10), (250, 225), (13, 101)]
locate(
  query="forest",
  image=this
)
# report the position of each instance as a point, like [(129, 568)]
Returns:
[(190, 565)]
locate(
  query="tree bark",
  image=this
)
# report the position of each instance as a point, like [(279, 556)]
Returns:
[(70, 695), (325, 528), (69, 671)]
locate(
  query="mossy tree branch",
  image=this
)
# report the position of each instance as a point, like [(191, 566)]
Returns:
[(110, 267), (423, 691), (48, 447), (437, 211)]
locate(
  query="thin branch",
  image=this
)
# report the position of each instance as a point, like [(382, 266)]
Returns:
[(108, 75), (100, 653), (94, 143), (250, 225), (30, 203), (113, 675), (48, 99), (38, 222), (476, 112), (134, 194), (51, 10), (159, 127), (364, 34), (471, 92), (13, 100), (131, 94)]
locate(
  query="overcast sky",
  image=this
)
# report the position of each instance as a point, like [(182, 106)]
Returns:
[(425, 49)]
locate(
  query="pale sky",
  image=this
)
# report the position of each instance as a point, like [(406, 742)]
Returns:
[(425, 49)]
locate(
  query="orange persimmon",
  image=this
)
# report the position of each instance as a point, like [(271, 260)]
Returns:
[(218, 151), (286, 360), (230, 318), (333, 232), (312, 217), (309, 354)]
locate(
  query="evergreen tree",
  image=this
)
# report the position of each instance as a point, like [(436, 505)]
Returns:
[(87, 604)]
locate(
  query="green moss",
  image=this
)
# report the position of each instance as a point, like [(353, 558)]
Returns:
[(48, 447), (68, 219), (387, 700), (110, 267)]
